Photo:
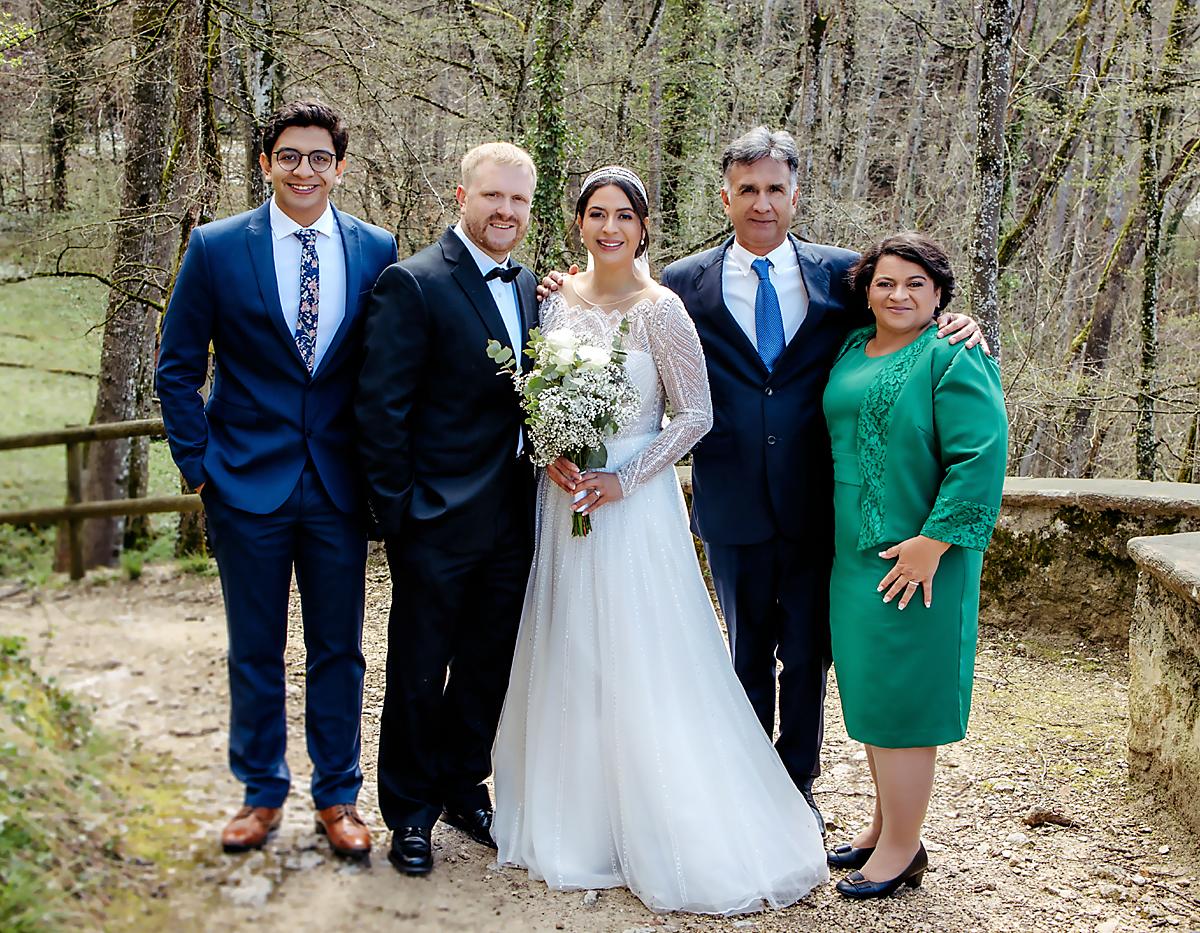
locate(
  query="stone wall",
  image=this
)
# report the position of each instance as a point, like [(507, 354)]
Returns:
[(1164, 670), (1059, 561)]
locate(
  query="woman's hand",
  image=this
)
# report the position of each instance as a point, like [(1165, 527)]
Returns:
[(553, 281), (600, 489), (564, 474), (916, 562)]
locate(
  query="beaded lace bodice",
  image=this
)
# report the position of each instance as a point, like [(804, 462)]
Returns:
[(665, 362)]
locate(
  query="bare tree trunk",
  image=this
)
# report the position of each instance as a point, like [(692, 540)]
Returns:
[(818, 23), (1090, 348), (1150, 198), (549, 139), (144, 245), (679, 114), (902, 207), (258, 76), (995, 80), (848, 27), (65, 23), (199, 176), (648, 35), (858, 184)]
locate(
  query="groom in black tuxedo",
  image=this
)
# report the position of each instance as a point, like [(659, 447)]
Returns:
[(441, 442), (772, 312)]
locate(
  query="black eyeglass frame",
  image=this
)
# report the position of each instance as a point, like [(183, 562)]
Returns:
[(300, 156)]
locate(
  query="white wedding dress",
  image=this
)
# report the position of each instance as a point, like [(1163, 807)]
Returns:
[(627, 753)]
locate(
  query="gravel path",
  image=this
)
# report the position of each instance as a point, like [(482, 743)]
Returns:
[(1047, 732)]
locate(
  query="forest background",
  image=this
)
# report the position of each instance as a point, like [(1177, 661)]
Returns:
[(1052, 145)]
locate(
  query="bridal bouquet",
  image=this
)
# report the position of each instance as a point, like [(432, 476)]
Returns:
[(577, 395)]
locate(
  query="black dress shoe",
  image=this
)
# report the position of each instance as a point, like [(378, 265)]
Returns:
[(475, 823), (411, 852), (854, 885), (848, 856), (812, 805)]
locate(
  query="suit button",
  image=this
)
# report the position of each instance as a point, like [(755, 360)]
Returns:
[(771, 439), (308, 433), (770, 391)]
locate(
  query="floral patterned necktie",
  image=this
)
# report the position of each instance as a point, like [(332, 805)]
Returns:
[(310, 297)]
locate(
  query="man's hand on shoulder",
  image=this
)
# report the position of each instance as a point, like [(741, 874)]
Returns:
[(959, 327), (553, 281)]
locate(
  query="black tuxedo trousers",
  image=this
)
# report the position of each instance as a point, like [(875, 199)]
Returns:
[(453, 610)]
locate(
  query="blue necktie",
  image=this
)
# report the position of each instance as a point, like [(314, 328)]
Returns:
[(310, 297), (768, 319)]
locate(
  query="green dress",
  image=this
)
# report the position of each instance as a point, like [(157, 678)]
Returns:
[(919, 447)]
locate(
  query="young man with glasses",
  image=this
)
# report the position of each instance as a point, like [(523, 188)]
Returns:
[(278, 293)]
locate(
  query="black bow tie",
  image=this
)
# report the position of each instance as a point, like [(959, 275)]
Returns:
[(507, 275)]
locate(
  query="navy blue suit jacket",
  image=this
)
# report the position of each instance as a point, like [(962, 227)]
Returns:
[(765, 468), (265, 414)]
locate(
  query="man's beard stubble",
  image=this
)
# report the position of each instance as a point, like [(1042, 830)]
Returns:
[(479, 232)]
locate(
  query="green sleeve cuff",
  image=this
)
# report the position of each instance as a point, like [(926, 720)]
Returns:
[(957, 521)]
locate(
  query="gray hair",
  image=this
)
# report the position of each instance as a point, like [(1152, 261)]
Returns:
[(761, 143)]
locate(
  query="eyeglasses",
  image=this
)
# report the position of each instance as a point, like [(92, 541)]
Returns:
[(318, 160)]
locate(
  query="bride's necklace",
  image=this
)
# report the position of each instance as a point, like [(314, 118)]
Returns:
[(618, 302)]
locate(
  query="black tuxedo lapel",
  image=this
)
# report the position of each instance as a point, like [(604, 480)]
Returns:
[(526, 286), (262, 258), (712, 298), (466, 273), (352, 251)]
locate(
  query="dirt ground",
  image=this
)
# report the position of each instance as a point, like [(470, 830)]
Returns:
[(1047, 731)]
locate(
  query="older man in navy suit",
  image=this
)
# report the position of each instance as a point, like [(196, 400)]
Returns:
[(771, 311), (278, 293)]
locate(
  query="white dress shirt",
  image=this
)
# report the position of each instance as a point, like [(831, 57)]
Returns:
[(505, 295), (739, 287), (332, 260)]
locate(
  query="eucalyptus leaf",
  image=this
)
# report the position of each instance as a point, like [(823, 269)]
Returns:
[(595, 459)]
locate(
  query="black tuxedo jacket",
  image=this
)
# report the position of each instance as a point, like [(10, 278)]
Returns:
[(765, 468), (437, 427)]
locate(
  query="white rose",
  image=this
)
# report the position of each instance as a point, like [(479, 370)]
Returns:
[(563, 356), (562, 339), (594, 357)]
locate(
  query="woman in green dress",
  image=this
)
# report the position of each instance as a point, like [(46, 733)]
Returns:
[(919, 438)]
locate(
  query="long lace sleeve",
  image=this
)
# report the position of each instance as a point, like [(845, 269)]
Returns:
[(677, 354)]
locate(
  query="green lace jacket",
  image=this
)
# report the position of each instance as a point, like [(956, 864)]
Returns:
[(932, 444)]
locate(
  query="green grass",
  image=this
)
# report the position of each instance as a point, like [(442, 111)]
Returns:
[(200, 564), (52, 324), (87, 829)]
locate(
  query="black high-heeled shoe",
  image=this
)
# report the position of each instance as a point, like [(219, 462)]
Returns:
[(854, 885), (848, 856)]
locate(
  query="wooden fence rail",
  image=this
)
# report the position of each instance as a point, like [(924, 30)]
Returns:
[(72, 515)]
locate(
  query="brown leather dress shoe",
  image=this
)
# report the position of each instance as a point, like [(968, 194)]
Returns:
[(348, 834), (251, 828)]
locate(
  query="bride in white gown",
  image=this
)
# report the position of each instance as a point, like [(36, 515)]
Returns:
[(627, 753)]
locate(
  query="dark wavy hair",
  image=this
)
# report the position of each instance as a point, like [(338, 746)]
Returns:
[(912, 246), (305, 113), (640, 207)]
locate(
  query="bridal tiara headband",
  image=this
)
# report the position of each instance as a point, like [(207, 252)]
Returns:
[(616, 172)]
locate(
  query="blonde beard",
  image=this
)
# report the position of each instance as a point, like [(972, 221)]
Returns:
[(478, 235)]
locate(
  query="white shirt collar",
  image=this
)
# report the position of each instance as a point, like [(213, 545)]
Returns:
[(283, 226), (485, 262), (782, 256)]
